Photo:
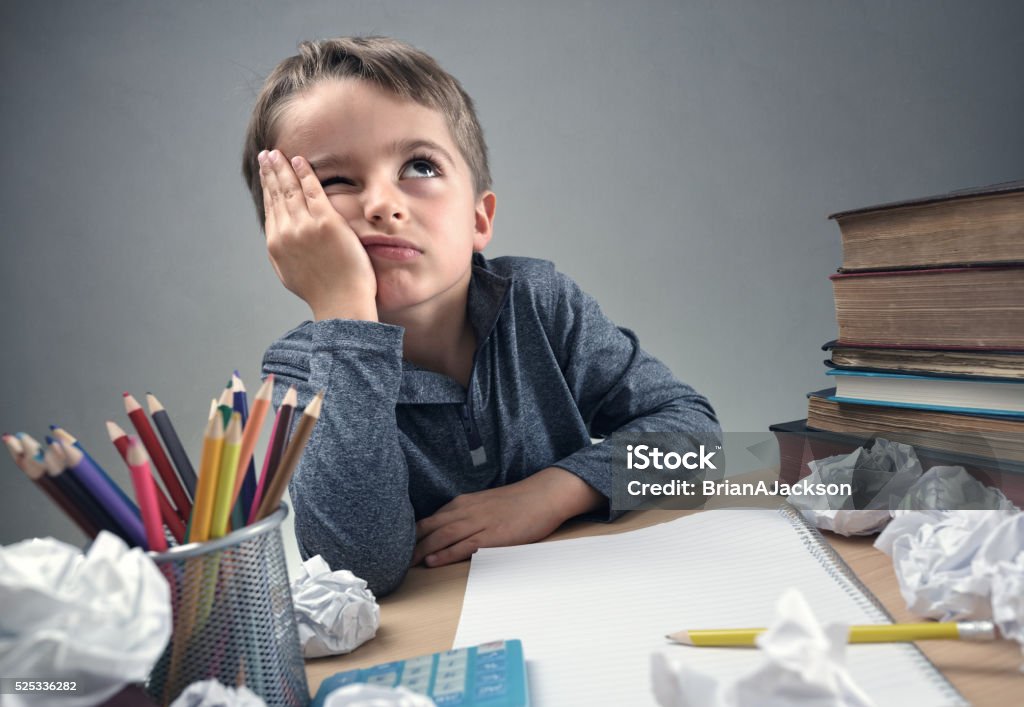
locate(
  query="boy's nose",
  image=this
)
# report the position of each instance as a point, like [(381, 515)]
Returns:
[(382, 205)]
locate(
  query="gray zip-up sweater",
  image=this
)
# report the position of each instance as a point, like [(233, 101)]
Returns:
[(395, 442)]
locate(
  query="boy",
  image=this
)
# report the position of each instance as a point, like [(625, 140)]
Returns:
[(461, 393)]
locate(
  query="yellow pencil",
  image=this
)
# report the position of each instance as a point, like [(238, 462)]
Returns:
[(224, 498), (874, 633), (206, 488)]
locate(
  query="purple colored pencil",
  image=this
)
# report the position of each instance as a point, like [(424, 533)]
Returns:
[(83, 469)]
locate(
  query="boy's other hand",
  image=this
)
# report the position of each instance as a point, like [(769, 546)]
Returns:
[(523, 512), (311, 246)]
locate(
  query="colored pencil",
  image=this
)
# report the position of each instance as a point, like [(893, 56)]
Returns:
[(870, 633), (56, 469), (182, 464), (275, 491), (170, 517), (145, 492), (275, 448), (206, 488), (91, 477), (250, 436), (66, 437), (213, 408), (156, 453), (37, 473), (245, 482), (226, 405), (222, 503)]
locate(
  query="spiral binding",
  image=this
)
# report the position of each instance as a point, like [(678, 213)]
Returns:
[(837, 568)]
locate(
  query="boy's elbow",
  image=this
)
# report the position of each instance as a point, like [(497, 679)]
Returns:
[(381, 575)]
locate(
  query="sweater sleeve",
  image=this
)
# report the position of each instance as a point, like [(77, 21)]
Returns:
[(618, 387), (351, 488)]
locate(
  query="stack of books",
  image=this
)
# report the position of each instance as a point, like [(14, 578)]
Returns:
[(930, 306)]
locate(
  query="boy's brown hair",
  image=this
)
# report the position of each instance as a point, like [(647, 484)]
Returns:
[(389, 64)]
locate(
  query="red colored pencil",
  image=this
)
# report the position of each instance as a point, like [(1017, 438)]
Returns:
[(156, 453), (171, 519), (145, 493)]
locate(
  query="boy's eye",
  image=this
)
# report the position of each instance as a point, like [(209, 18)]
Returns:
[(331, 181), (420, 169)]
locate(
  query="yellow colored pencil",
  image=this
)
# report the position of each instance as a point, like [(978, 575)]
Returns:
[(872, 633), (224, 498), (206, 488)]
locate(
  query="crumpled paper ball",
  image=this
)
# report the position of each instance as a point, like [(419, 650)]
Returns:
[(879, 478), (363, 695), (335, 611), (938, 561), (210, 693), (951, 488), (101, 619), (803, 664)]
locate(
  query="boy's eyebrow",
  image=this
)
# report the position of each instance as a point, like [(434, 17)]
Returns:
[(337, 162)]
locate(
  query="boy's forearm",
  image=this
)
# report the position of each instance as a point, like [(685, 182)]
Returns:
[(568, 494)]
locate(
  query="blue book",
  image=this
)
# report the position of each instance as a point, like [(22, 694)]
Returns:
[(965, 395)]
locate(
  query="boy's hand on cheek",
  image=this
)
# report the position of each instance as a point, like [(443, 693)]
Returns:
[(311, 246), (523, 512)]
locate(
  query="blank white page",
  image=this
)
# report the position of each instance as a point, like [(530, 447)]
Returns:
[(591, 611)]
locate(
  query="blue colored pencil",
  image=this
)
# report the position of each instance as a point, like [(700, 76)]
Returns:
[(92, 477)]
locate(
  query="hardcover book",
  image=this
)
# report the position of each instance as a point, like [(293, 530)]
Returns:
[(972, 226), (960, 308)]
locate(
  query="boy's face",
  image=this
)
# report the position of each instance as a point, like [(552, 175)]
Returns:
[(392, 170)]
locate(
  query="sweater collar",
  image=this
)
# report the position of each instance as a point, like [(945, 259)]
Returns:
[(488, 293)]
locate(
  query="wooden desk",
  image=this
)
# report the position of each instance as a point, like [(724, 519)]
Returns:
[(422, 616)]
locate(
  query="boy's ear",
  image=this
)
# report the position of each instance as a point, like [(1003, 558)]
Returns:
[(484, 221)]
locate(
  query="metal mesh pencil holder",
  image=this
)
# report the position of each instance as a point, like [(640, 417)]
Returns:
[(233, 617)]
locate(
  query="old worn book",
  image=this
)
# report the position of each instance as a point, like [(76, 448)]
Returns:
[(936, 362), (799, 444), (959, 308), (983, 225), (990, 436)]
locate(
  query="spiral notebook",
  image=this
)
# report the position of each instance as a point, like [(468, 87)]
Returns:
[(590, 611)]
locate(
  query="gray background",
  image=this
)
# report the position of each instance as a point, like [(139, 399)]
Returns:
[(677, 158)]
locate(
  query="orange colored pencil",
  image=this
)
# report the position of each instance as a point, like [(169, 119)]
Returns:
[(261, 404)]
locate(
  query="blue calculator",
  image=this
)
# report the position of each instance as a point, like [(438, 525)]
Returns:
[(488, 675)]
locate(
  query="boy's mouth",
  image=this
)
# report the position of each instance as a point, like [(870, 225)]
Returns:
[(389, 247)]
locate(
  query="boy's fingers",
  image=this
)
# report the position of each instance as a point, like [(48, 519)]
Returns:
[(289, 192), (456, 553), (447, 535), (268, 206), (316, 199), (272, 191)]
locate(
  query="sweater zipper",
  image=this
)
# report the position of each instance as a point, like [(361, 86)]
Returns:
[(476, 444)]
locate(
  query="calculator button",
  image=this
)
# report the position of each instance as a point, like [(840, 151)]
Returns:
[(392, 667), (449, 700), (425, 662), (491, 665), (458, 676), (453, 653), (419, 685), (387, 679), (489, 678), (448, 687), (487, 692), (414, 670), (453, 663), (492, 646)]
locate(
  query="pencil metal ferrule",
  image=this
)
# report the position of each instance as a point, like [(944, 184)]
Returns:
[(977, 631)]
